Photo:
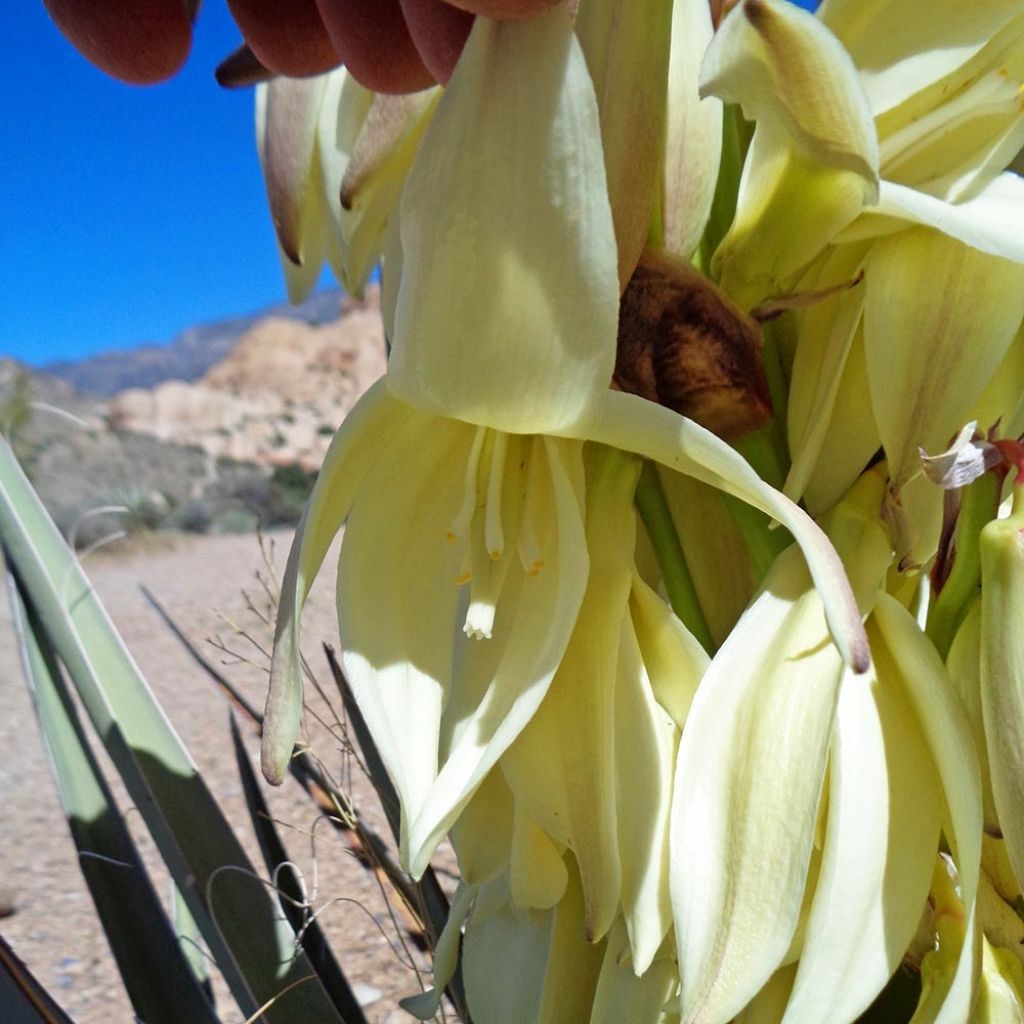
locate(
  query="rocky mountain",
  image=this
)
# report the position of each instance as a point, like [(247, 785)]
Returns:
[(188, 356), (276, 398)]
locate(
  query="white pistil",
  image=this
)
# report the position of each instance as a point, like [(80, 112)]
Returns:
[(529, 545), (479, 620), (460, 524), (494, 535)]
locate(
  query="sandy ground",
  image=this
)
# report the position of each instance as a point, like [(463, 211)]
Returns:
[(202, 581)]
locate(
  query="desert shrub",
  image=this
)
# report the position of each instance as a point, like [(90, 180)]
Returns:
[(195, 516)]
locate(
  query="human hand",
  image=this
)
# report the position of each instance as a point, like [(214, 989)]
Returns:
[(388, 45)]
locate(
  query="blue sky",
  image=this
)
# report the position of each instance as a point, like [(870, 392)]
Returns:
[(127, 213)]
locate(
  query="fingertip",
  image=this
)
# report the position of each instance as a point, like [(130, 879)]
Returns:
[(439, 32), (287, 37), (137, 41), (374, 43)]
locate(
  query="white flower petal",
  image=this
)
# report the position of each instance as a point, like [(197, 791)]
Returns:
[(992, 221), (482, 836), (851, 438), (367, 431), (623, 997), (508, 307), (562, 766), (785, 194), (693, 142), (493, 708), (825, 334), (398, 599), (748, 781), (945, 728), (787, 69), (505, 957), (939, 317), (626, 43), (882, 831), (645, 750), (897, 47), (537, 875), (1002, 671)]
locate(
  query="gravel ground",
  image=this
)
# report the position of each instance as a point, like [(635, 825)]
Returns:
[(200, 581)]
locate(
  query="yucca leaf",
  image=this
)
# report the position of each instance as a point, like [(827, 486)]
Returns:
[(293, 896), (23, 999), (158, 979), (251, 942), (190, 941)]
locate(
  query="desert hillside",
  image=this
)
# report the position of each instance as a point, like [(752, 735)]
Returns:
[(276, 398), (185, 357)]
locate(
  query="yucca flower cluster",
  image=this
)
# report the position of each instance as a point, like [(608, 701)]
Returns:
[(719, 730)]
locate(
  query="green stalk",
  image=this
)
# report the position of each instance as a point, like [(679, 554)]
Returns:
[(735, 139), (978, 507), (657, 519)]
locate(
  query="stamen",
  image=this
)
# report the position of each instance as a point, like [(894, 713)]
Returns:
[(460, 524), (529, 544), (465, 573), (494, 535)]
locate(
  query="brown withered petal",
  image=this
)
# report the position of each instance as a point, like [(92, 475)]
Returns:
[(967, 458), (683, 344), (240, 69)]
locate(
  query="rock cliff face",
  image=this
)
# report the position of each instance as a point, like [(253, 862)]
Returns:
[(276, 398), (188, 356)]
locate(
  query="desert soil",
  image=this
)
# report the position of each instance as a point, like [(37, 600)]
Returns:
[(209, 587)]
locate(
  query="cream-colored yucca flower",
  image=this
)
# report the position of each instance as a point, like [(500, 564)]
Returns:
[(564, 847), (592, 770), (883, 131), (808, 803), (466, 462)]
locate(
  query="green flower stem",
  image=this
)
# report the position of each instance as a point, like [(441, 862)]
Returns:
[(735, 139), (657, 519), (763, 538), (765, 450), (979, 506)]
